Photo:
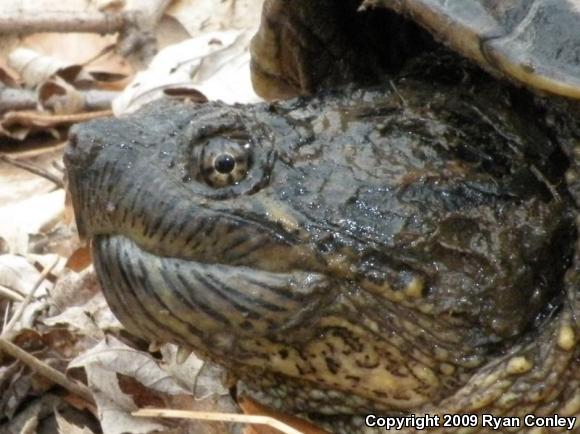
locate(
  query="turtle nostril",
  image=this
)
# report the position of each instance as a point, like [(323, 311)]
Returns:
[(72, 140), (73, 150)]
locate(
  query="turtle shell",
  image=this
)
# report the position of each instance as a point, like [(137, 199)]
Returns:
[(303, 45), (533, 42)]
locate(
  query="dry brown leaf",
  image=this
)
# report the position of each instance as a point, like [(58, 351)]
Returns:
[(74, 289), (64, 343), (33, 67), (20, 275), (90, 51), (58, 96), (20, 125), (114, 406), (201, 378), (200, 16), (36, 69), (60, 240), (8, 77), (109, 70), (24, 313), (69, 212), (109, 5), (66, 427), (20, 219), (80, 259), (29, 416), (17, 382), (78, 319), (33, 410), (93, 319), (127, 378), (44, 121), (79, 305), (114, 356), (17, 184), (250, 406), (169, 31), (216, 64), (80, 404)]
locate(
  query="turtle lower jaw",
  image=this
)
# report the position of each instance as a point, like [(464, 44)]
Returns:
[(204, 306)]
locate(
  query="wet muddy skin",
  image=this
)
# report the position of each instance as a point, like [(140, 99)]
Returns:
[(394, 249)]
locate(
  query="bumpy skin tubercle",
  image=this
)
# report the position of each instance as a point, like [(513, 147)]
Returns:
[(401, 249)]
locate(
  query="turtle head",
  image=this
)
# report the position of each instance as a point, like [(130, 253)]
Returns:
[(328, 252), (184, 225)]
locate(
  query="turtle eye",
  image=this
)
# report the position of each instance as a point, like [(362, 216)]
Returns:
[(225, 161)]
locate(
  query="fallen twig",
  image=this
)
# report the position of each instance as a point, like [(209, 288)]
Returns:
[(218, 417), (35, 364), (157, 10), (10, 294), (61, 21), (28, 298), (17, 99), (48, 120), (135, 27), (46, 370), (33, 169), (5, 319)]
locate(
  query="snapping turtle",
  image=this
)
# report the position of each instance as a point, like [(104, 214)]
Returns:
[(407, 247)]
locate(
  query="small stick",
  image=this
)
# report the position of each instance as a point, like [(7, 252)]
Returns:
[(48, 21), (35, 152), (6, 311), (10, 294), (17, 99), (33, 169), (46, 370), (153, 11), (218, 417), (35, 364), (81, 22), (28, 297), (403, 100), (51, 120)]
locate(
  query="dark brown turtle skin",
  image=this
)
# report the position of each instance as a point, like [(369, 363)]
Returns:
[(408, 247), (304, 46), (405, 248)]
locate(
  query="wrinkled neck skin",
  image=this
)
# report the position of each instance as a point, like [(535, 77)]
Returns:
[(398, 250)]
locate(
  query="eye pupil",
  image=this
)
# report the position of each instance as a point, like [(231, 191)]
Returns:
[(224, 163)]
